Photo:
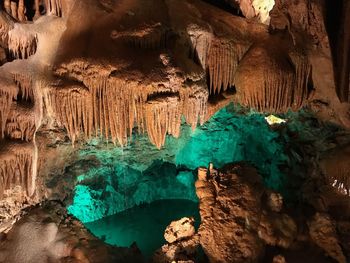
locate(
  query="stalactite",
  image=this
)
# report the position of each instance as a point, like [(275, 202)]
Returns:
[(194, 100), (21, 42), (201, 41), (24, 83), (8, 92), (72, 108), (54, 7), (37, 10), (21, 10), (7, 6), (222, 63), (163, 116), (302, 78), (269, 82), (219, 57), (6, 24), (118, 106), (21, 123), (16, 160), (14, 11)]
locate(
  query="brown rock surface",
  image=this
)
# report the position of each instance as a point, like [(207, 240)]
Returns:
[(182, 243), (180, 229), (235, 224), (47, 234), (323, 233)]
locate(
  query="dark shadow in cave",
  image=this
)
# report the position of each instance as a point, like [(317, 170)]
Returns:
[(336, 28), (222, 4)]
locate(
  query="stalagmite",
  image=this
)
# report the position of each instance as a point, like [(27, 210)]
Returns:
[(16, 160), (22, 43)]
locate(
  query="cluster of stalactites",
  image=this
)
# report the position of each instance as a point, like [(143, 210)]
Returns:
[(163, 116), (22, 43), (17, 120), (18, 9), (222, 63), (21, 123), (218, 57), (7, 94), (54, 7), (6, 24), (16, 160), (270, 83), (194, 105), (112, 108)]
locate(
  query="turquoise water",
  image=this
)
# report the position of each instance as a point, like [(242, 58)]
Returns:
[(116, 181), (144, 224), (140, 173)]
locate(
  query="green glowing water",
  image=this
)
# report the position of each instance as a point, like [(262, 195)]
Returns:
[(140, 173), (144, 224)]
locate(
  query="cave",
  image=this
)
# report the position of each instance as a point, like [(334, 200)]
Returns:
[(174, 131)]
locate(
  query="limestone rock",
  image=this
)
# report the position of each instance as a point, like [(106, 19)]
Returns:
[(182, 242), (180, 229), (235, 226), (323, 232), (274, 201), (278, 259), (47, 234)]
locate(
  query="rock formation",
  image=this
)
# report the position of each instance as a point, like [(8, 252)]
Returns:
[(323, 232), (182, 242), (47, 234), (85, 69), (236, 225), (110, 90)]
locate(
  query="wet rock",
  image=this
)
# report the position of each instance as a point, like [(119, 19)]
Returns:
[(279, 259), (182, 251), (274, 201), (235, 225), (180, 229), (3, 58), (46, 234), (277, 229), (323, 232), (182, 242)]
